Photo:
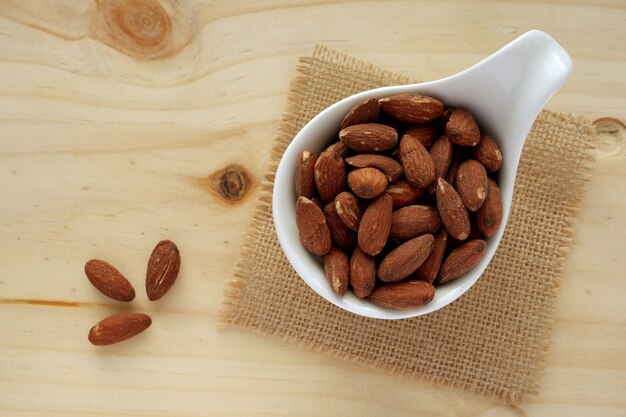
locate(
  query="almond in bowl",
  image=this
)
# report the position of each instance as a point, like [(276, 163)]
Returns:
[(409, 196)]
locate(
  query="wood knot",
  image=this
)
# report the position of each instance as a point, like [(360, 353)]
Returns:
[(141, 28), (231, 183), (610, 137)]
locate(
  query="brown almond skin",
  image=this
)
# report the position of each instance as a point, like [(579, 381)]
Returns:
[(108, 280), (337, 270), (365, 112), (452, 211), (163, 267), (411, 108), (375, 225), (349, 209), (305, 174), (419, 168), (367, 183), (330, 176), (362, 273), (403, 193), (405, 259), (488, 153), (403, 295), (424, 133), (441, 153), (342, 235), (339, 148), (429, 269), (369, 137), (461, 260), (120, 327), (471, 184), (412, 221), (391, 168), (462, 128), (489, 216), (312, 227)]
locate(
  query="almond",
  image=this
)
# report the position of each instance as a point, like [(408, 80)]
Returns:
[(367, 182), (375, 225), (405, 259), (403, 295), (305, 175), (441, 153), (341, 234), (461, 260), (452, 211), (312, 227), (403, 194), (471, 184), (392, 169), (117, 328), (365, 112), (330, 176), (462, 128), (349, 209), (419, 168), (369, 137), (411, 108), (412, 221), (424, 133), (108, 280), (163, 267), (488, 153), (337, 270), (339, 148), (489, 216), (362, 273), (429, 269)]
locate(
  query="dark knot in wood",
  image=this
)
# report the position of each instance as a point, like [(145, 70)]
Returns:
[(231, 183)]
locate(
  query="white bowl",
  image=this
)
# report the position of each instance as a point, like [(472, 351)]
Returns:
[(505, 92)]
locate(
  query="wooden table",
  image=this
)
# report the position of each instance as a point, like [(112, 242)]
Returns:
[(117, 120)]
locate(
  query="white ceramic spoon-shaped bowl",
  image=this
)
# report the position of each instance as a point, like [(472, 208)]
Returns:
[(505, 92)]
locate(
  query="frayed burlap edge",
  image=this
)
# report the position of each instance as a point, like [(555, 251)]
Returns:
[(586, 166)]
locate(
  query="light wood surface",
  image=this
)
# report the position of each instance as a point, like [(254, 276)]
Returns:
[(116, 118)]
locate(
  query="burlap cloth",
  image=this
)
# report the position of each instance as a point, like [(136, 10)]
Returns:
[(493, 340)]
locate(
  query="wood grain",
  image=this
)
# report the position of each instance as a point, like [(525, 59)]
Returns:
[(120, 124)]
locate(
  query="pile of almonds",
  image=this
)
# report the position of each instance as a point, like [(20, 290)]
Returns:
[(162, 272), (394, 218)]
